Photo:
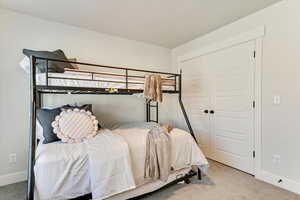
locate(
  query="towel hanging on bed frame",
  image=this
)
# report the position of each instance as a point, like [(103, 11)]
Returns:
[(153, 88)]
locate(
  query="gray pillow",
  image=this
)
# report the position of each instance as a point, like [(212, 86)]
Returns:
[(87, 107), (46, 117), (56, 67)]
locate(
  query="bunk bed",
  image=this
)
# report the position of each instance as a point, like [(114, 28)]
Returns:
[(91, 80)]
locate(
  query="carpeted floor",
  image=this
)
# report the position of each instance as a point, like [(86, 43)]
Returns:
[(222, 183)]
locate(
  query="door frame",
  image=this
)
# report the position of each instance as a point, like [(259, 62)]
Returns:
[(255, 35)]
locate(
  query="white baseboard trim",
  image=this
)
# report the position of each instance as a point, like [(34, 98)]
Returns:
[(13, 178), (285, 183)]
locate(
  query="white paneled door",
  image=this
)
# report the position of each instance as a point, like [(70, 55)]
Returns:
[(225, 88), (197, 98)]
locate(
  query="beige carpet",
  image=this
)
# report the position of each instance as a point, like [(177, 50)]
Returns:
[(223, 183)]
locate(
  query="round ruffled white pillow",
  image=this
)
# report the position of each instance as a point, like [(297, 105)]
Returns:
[(74, 125)]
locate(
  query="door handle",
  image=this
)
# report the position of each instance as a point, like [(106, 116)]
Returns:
[(211, 112), (206, 111)]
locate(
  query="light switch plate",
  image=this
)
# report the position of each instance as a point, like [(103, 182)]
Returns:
[(276, 100)]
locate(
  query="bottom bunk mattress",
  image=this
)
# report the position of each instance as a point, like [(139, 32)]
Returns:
[(63, 171), (184, 150), (150, 187)]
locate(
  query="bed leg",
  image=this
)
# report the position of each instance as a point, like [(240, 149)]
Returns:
[(187, 181), (199, 174)]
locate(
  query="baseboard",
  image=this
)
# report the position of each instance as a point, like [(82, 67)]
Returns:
[(278, 181), (13, 178)]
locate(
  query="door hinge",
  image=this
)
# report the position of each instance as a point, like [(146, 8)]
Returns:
[(254, 54), (253, 104), (253, 154)]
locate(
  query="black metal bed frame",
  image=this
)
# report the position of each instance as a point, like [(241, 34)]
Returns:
[(37, 91)]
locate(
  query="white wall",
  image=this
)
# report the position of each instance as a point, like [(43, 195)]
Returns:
[(19, 31), (280, 71), (280, 126)]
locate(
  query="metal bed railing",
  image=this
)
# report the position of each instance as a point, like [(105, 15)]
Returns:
[(36, 91), (127, 80)]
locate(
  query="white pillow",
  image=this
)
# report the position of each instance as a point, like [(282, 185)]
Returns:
[(39, 131), (74, 125), (25, 64)]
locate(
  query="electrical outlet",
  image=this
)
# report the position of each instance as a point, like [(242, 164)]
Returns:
[(276, 159), (12, 159)]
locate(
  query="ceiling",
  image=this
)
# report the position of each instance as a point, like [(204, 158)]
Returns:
[(167, 23)]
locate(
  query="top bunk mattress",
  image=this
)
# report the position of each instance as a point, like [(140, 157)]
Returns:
[(69, 79)]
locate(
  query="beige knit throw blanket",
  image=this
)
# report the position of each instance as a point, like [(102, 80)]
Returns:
[(153, 88), (158, 154)]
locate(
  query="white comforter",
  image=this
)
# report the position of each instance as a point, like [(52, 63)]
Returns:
[(100, 165), (110, 165), (184, 151)]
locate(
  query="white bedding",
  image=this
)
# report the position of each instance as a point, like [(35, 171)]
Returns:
[(63, 169), (184, 151), (100, 165), (41, 80), (110, 165), (149, 187)]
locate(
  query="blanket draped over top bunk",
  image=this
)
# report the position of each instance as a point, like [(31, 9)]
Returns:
[(153, 88)]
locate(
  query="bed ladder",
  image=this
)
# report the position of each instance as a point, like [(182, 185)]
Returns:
[(149, 105)]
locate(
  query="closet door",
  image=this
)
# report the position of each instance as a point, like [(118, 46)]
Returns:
[(232, 112), (196, 98)]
